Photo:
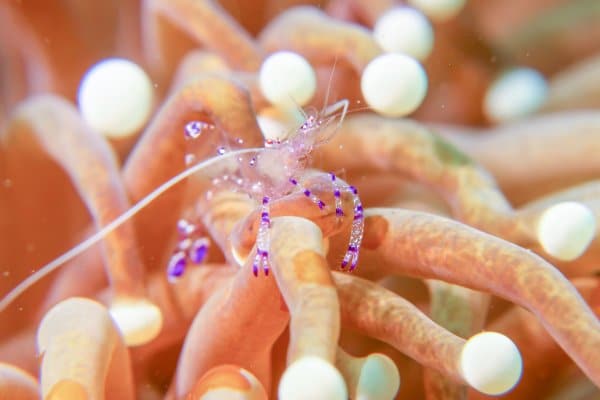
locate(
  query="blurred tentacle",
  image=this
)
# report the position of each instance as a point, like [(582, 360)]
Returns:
[(17, 384), (554, 151), (374, 376), (320, 38), (84, 356), (55, 125), (218, 32)]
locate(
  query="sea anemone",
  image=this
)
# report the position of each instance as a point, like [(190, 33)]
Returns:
[(207, 200)]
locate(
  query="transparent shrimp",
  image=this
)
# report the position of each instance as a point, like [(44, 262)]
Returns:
[(276, 172)]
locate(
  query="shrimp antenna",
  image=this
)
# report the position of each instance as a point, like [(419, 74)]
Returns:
[(335, 107), (297, 108), (327, 91), (120, 220)]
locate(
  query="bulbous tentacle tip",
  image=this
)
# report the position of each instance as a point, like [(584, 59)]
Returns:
[(139, 320), (491, 363), (287, 80), (379, 378), (439, 10), (565, 230), (312, 377), (116, 97), (394, 84)]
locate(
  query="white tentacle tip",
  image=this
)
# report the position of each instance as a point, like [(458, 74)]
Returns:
[(394, 84), (139, 321), (287, 79), (312, 378), (379, 379), (439, 9), (404, 30), (491, 363), (515, 94), (115, 97), (565, 230)]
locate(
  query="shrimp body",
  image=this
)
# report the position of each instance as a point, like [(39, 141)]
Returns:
[(275, 172), (282, 161)]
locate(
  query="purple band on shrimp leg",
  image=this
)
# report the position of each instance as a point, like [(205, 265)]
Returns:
[(257, 261), (358, 212), (176, 266), (337, 195), (191, 248), (261, 259), (255, 264), (358, 222), (314, 198), (265, 262), (199, 250)]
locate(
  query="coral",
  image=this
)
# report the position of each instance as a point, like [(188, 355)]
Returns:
[(476, 237)]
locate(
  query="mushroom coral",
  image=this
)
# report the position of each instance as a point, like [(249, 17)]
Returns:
[(478, 262)]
